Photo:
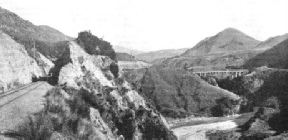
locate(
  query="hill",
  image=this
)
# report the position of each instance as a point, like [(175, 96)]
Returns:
[(229, 48), (19, 28), (275, 57), (176, 92), (28, 34), (121, 49), (271, 42), (161, 54), (227, 40)]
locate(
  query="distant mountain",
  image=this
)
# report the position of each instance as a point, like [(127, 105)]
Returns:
[(157, 55), (125, 57), (276, 57), (28, 34), (228, 40), (271, 42), (228, 48), (121, 49)]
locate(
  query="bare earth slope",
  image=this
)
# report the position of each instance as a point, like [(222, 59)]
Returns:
[(16, 66)]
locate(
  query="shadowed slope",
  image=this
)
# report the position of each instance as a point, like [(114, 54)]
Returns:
[(276, 57)]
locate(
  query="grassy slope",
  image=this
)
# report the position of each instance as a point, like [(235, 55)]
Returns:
[(178, 91)]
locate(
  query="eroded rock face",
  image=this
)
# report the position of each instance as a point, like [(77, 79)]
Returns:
[(44, 63), (16, 67), (115, 109)]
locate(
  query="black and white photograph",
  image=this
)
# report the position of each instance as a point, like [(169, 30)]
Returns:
[(143, 69)]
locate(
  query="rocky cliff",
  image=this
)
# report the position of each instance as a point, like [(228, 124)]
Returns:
[(16, 67), (103, 106)]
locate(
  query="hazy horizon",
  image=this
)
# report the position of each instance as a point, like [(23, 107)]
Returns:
[(155, 25)]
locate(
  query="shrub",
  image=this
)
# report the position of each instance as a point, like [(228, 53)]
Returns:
[(272, 102), (95, 46), (38, 127), (114, 69)]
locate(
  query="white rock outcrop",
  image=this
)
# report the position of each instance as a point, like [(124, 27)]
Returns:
[(80, 59), (45, 63), (16, 66), (113, 96)]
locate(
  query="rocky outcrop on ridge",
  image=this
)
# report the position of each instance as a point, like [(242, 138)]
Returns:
[(110, 108), (16, 67)]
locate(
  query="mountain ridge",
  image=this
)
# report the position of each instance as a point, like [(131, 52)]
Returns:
[(228, 40)]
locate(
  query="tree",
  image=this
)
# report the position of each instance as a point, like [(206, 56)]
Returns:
[(95, 46)]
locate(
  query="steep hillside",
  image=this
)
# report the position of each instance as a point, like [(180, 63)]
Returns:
[(28, 34), (276, 57), (228, 40), (54, 33), (176, 92), (16, 67), (125, 57), (92, 103), (271, 42), (161, 54), (267, 89), (15, 26), (121, 49)]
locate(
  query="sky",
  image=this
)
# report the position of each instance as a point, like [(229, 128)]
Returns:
[(148, 25)]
